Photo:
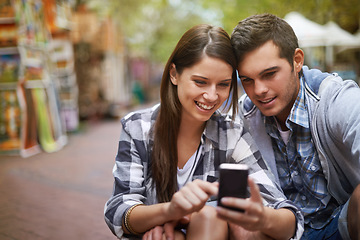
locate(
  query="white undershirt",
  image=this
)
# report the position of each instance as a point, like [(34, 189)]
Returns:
[(284, 134), (185, 174)]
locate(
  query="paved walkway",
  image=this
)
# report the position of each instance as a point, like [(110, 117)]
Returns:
[(60, 195)]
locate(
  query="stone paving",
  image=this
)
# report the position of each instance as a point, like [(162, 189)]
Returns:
[(61, 195)]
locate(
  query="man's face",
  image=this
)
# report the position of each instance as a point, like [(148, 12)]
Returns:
[(270, 81)]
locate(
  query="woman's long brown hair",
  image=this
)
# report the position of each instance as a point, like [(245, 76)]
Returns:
[(197, 42)]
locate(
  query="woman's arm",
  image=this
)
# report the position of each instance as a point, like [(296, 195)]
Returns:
[(129, 176), (191, 198)]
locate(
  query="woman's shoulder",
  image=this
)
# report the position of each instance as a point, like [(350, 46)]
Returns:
[(226, 122), (141, 118), (221, 126)]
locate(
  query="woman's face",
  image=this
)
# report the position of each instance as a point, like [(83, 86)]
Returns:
[(202, 88)]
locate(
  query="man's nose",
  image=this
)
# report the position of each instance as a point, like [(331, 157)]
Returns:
[(260, 87)]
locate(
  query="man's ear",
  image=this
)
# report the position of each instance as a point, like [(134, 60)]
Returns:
[(298, 60), (173, 74)]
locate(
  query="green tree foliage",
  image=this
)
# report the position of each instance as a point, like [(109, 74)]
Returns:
[(345, 13), (152, 27)]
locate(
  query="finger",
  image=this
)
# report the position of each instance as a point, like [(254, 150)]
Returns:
[(251, 210), (229, 215), (184, 220), (199, 189), (196, 193), (180, 202), (236, 217), (145, 236), (157, 233), (208, 187), (255, 192), (193, 194), (169, 230), (238, 203)]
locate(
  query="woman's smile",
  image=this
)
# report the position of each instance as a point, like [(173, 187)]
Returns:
[(204, 106)]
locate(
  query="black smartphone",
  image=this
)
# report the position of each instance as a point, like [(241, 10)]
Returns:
[(233, 182)]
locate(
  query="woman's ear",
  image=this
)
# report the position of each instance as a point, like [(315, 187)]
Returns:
[(298, 60), (173, 74)]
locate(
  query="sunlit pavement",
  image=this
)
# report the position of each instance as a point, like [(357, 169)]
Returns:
[(60, 195)]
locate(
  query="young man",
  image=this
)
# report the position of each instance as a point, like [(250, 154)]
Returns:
[(306, 124)]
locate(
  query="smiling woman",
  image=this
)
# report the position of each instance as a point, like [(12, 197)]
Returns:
[(169, 155), (166, 146)]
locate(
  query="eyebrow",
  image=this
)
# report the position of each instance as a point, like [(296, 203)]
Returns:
[(268, 69), (205, 78), (262, 72), (199, 76)]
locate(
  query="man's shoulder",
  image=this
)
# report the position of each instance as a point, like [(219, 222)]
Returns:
[(316, 80), (246, 106)]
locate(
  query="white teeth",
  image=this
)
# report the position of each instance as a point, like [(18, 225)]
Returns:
[(206, 107), (267, 101)]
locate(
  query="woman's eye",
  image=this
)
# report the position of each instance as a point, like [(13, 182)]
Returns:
[(199, 82)]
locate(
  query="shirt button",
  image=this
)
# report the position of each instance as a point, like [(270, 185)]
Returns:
[(303, 198), (313, 167)]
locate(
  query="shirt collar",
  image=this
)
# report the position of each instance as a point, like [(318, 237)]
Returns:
[(298, 114)]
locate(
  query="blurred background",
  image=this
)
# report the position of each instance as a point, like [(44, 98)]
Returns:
[(65, 62), (70, 69)]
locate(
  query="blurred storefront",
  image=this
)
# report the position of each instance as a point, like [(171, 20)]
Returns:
[(101, 65), (57, 67)]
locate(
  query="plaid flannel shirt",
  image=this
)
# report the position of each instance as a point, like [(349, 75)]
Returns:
[(223, 140), (300, 172)]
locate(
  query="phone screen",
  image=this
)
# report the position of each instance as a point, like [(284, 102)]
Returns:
[(233, 182)]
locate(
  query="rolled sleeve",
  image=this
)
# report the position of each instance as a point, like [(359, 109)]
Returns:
[(129, 186)]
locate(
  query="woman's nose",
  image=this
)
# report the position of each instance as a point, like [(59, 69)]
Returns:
[(211, 94)]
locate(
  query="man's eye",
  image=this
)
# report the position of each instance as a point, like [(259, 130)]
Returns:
[(245, 80), (269, 74)]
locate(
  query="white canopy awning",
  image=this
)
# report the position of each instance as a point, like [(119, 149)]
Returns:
[(311, 34), (339, 37), (330, 35)]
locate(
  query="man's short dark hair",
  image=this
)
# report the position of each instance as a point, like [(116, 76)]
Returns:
[(256, 30)]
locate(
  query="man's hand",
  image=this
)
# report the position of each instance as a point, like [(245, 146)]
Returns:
[(253, 218)]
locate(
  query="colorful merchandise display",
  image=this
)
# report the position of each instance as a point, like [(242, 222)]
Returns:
[(31, 110)]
